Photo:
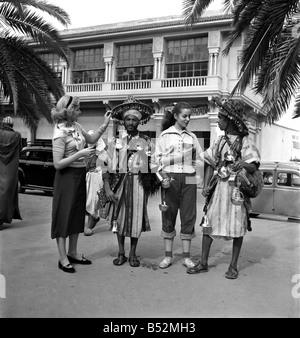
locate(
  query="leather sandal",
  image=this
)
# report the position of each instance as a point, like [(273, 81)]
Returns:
[(134, 262), (198, 268), (232, 273), (120, 260)]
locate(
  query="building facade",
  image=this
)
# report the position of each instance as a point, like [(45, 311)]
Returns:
[(159, 61), (280, 143)]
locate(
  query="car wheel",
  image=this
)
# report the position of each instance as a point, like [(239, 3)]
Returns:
[(20, 189)]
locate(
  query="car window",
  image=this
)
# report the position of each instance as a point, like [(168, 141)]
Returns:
[(49, 156), (295, 180), (282, 178), (288, 179), (36, 155), (24, 155), (268, 178)]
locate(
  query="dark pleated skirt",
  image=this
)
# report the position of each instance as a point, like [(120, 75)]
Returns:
[(68, 205)]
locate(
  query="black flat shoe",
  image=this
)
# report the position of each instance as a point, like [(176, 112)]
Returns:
[(67, 268), (83, 260)]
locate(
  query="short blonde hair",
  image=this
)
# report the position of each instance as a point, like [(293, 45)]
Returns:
[(64, 106)]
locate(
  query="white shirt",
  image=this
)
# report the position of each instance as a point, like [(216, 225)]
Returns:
[(177, 151)]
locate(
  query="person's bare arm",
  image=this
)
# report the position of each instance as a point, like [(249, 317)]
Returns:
[(239, 165), (92, 138), (208, 174), (60, 162)]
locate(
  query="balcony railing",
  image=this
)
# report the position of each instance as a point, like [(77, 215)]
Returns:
[(184, 82), (84, 87), (138, 84), (125, 85)]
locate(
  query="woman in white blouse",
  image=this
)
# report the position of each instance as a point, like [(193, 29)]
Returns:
[(69, 190), (176, 152)]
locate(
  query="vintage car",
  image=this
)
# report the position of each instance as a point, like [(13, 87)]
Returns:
[(36, 169), (281, 192)]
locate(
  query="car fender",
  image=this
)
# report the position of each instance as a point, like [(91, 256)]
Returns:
[(21, 174)]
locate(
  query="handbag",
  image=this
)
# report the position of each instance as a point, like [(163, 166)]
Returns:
[(251, 184)]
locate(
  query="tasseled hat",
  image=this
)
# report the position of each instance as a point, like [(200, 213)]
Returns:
[(233, 109), (144, 111)]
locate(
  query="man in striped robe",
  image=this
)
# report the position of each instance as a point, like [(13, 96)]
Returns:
[(128, 180)]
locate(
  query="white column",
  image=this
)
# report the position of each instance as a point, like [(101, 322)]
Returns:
[(106, 71), (213, 60), (159, 68), (155, 68), (109, 71), (108, 68), (158, 56), (210, 64), (215, 63), (158, 48), (63, 75)]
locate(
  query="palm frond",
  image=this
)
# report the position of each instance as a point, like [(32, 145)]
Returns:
[(26, 79), (275, 109), (260, 53), (56, 12), (280, 79), (296, 112), (281, 64), (34, 79), (250, 67), (13, 4), (193, 9), (229, 6), (269, 52), (8, 81), (243, 15), (35, 27)]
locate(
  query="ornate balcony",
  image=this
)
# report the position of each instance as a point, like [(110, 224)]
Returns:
[(160, 88)]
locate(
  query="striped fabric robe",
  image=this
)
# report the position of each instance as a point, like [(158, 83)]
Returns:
[(124, 166), (226, 219)]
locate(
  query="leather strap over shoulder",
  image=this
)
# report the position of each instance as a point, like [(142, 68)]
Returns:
[(236, 145)]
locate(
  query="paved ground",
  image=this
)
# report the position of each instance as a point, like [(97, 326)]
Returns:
[(268, 285)]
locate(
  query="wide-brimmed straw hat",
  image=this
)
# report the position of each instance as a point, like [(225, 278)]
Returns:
[(234, 109), (144, 111)]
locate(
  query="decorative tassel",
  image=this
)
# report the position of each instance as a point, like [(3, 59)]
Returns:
[(150, 183)]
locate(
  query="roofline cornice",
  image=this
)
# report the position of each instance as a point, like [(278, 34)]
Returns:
[(135, 26)]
